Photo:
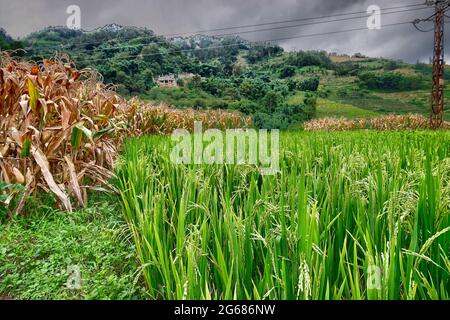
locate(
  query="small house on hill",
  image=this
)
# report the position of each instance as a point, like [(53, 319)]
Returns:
[(167, 81)]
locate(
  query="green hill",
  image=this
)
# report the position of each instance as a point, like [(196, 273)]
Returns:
[(279, 88), (7, 42)]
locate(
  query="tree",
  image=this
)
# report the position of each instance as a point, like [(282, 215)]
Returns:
[(287, 72), (152, 54), (310, 58), (272, 101), (309, 84)]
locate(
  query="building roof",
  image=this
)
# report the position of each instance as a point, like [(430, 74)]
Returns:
[(170, 77)]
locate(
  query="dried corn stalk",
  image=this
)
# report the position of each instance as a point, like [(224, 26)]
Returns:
[(53, 125), (60, 128), (383, 123)]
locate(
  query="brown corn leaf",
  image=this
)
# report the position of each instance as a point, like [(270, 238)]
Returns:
[(74, 181), (42, 161)]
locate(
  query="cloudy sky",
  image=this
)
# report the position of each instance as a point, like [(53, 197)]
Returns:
[(20, 17)]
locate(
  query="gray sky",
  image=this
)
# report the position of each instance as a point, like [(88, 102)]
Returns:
[(21, 17)]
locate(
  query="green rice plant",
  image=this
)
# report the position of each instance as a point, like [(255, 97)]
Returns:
[(356, 215)]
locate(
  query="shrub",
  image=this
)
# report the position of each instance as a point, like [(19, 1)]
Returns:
[(309, 58), (391, 81), (287, 72), (309, 84), (277, 120), (347, 69), (245, 106), (271, 101), (391, 65)]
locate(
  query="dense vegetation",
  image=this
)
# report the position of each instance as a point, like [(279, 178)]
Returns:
[(107, 49), (8, 43), (343, 206), (392, 81), (61, 130), (37, 251), (231, 73)]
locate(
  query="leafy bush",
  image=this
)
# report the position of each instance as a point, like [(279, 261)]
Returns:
[(391, 81), (348, 68), (8, 43), (70, 139), (308, 84), (287, 72), (271, 101), (310, 58), (36, 250), (245, 106), (281, 115), (391, 65)]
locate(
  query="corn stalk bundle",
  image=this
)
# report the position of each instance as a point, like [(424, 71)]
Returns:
[(54, 129), (61, 128), (144, 119), (334, 124), (400, 122), (383, 123)]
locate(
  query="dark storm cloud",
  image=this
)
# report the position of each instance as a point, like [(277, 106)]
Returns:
[(20, 17)]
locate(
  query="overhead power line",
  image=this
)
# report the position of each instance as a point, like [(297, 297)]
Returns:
[(429, 19), (259, 25), (292, 20), (315, 23), (231, 45), (265, 29)]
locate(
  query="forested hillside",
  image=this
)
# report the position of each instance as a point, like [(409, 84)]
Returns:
[(279, 89)]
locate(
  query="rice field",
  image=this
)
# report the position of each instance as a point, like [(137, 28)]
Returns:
[(353, 215)]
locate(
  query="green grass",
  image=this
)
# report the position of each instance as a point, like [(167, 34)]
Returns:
[(342, 203), (36, 251), (328, 108), (381, 103), (297, 98)]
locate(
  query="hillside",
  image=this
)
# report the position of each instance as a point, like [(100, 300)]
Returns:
[(278, 88), (7, 42)]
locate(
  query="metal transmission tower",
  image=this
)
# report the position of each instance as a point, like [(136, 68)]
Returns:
[(438, 83)]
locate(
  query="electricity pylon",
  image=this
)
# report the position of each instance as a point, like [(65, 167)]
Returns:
[(438, 83)]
